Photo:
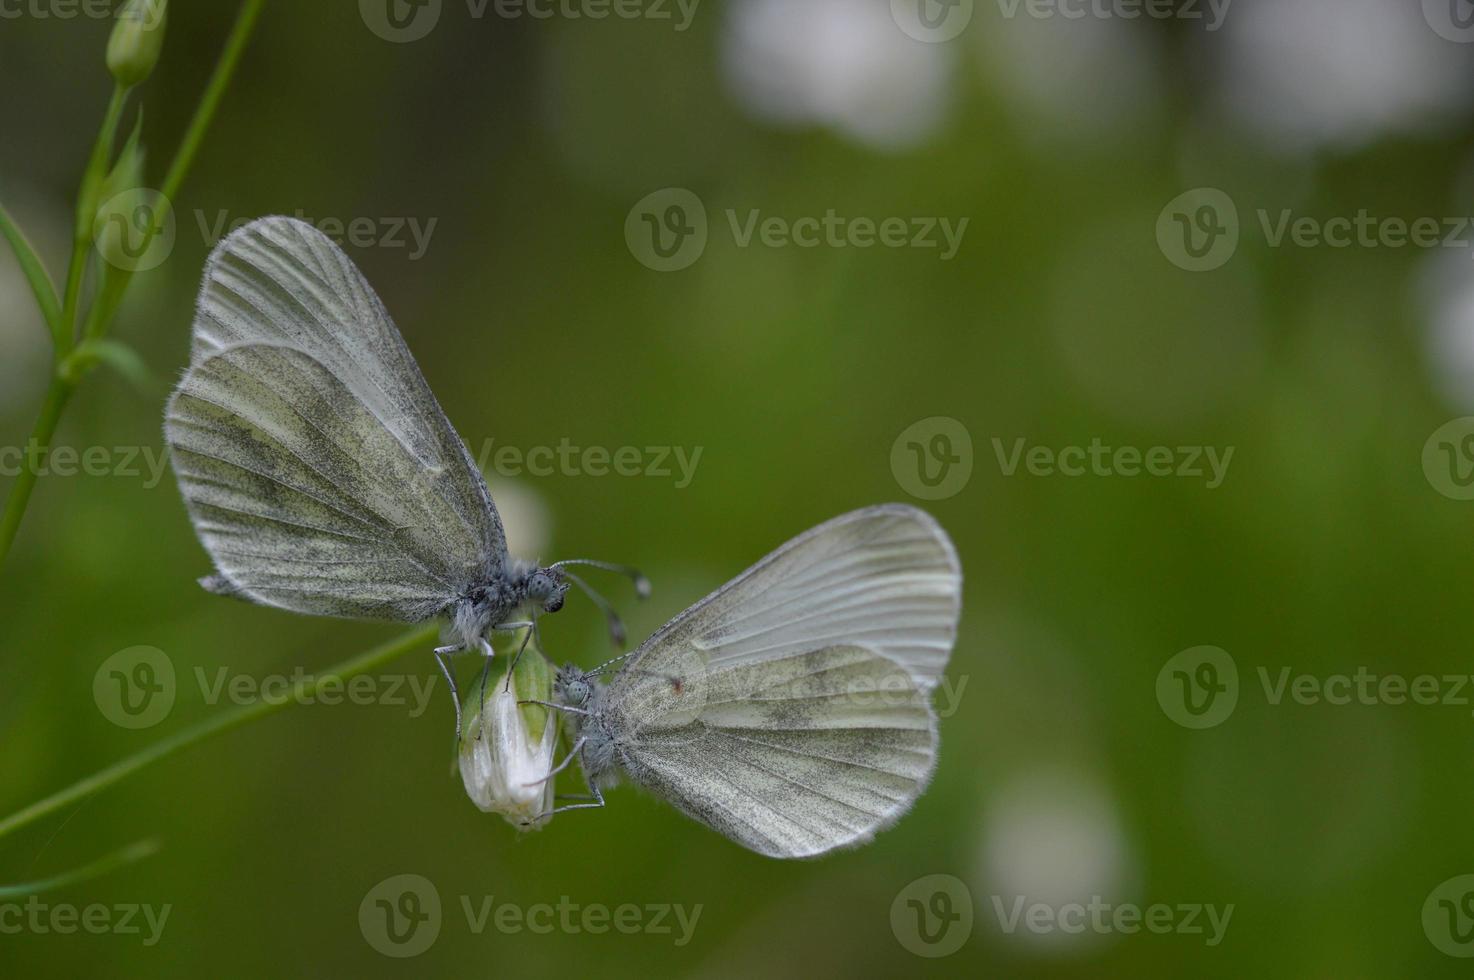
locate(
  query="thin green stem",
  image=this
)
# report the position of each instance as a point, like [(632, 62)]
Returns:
[(118, 859), (110, 295), (57, 397), (245, 23), (87, 202), (35, 273), (224, 721)]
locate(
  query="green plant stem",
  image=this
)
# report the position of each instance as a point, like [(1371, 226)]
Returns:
[(110, 295), (222, 722), (118, 859), (57, 397), (245, 23), (87, 202)]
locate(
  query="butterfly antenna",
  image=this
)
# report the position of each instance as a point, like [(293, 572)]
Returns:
[(642, 584), (616, 625), (609, 663)]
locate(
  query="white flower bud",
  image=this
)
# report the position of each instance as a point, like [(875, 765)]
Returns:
[(505, 754)]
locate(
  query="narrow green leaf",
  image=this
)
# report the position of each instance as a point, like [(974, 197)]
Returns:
[(131, 854), (35, 273)]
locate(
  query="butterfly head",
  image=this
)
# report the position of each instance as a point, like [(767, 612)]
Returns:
[(573, 686), (547, 586)]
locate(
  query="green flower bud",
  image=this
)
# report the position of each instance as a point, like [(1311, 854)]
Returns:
[(137, 38)]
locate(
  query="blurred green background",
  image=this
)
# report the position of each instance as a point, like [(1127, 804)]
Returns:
[(1326, 548)]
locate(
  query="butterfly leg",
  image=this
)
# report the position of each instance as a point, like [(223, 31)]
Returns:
[(560, 766), (450, 679), (595, 794), (487, 654), (518, 655)]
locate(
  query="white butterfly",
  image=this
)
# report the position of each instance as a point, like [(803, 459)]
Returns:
[(319, 471), (790, 709)]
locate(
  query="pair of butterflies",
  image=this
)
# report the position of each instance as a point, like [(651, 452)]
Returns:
[(789, 710)]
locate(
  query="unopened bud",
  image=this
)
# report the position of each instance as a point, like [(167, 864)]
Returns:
[(137, 38)]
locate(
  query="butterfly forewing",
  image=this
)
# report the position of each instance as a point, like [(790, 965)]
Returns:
[(319, 470), (884, 577)]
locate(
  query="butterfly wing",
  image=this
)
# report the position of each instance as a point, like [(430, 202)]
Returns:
[(320, 472), (792, 756), (884, 577)]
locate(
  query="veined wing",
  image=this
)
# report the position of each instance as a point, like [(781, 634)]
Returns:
[(304, 499), (884, 577), (791, 757), (280, 281)]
